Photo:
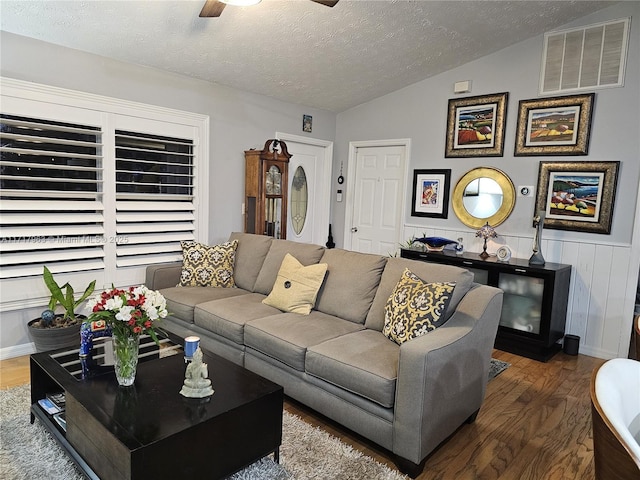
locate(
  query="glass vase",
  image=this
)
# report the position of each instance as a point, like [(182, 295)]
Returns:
[(125, 353)]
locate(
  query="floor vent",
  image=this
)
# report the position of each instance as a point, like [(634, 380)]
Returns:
[(585, 58)]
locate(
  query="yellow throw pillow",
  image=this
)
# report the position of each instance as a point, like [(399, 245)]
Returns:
[(296, 286), (208, 265), (415, 307)]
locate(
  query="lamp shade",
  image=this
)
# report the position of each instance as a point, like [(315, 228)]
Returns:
[(486, 231)]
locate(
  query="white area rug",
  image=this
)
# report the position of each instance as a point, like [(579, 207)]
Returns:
[(29, 452)]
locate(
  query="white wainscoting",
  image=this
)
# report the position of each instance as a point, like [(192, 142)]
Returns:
[(602, 290)]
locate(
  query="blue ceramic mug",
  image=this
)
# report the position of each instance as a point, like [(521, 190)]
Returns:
[(191, 344)]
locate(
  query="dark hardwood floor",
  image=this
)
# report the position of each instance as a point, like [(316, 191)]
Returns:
[(535, 424)]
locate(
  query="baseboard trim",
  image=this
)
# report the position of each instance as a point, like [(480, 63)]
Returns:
[(17, 351), (597, 352)]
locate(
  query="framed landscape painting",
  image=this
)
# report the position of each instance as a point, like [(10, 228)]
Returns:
[(475, 126), (430, 193), (554, 126), (577, 196)]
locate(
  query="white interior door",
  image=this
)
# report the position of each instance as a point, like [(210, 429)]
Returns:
[(308, 221), (379, 184)]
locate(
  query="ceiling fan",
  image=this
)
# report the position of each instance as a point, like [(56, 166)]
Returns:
[(213, 8)]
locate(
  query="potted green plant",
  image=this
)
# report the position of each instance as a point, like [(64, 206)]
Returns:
[(57, 330)]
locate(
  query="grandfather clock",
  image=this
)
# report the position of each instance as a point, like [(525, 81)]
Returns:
[(266, 180)]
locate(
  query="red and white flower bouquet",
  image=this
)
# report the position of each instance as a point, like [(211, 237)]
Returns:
[(129, 313)]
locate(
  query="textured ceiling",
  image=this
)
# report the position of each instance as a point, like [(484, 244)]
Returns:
[(295, 50)]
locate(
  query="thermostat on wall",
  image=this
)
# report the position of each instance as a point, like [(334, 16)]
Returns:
[(525, 190)]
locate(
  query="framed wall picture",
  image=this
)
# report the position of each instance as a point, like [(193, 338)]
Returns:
[(577, 196), (430, 193), (475, 126), (307, 123), (554, 126)]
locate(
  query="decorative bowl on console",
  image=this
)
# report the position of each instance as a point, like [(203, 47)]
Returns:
[(435, 244)]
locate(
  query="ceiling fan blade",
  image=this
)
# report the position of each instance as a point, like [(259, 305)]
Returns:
[(328, 3), (212, 8)]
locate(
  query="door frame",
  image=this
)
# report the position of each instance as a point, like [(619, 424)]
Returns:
[(323, 216), (351, 180)]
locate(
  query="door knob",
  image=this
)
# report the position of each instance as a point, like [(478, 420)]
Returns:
[(354, 229)]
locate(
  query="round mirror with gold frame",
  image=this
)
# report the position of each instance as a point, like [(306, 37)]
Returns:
[(482, 195)]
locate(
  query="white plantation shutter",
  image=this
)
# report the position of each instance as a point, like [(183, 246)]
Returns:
[(95, 188), (51, 210), (154, 197), (585, 58)]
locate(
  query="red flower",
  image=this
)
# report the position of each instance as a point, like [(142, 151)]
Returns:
[(131, 322), (147, 324), (137, 329)]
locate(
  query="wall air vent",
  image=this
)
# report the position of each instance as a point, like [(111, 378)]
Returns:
[(585, 58)]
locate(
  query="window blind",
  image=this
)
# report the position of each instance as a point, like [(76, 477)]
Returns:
[(51, 209), (154, 197)]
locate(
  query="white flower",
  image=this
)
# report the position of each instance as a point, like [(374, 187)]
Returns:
[(139, 291), (114, 303), (150, 310), (91, 303), (125, 313)]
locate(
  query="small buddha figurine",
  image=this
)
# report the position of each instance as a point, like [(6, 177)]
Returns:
[(196, 383)]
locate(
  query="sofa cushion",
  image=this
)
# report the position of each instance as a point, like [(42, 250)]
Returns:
[(350, 285), (207, 265), (428, 272), (415, 308), (296, 286), (250, 254), (182, 300), (227, 317), (363, 362), (305, 253), (287, 336)]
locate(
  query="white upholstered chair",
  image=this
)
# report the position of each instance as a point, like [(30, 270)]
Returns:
[(615, 411)]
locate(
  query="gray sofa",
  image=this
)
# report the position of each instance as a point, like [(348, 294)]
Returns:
[(406, 398)]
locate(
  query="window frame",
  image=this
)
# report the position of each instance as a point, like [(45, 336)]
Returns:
[(54, 103)]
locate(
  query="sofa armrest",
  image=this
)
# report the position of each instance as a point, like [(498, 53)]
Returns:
[(163, 275), (442, 376)]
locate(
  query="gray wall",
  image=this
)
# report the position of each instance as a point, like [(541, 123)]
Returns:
[(605, 267), (239, 121), (419, 112)]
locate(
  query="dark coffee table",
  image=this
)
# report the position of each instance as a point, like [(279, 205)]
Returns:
[(150, 430)]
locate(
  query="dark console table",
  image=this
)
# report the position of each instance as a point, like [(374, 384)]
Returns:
[(535, 302)]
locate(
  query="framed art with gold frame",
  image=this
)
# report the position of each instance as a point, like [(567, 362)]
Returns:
[(577, 196), (554, 126), (475, 126)]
